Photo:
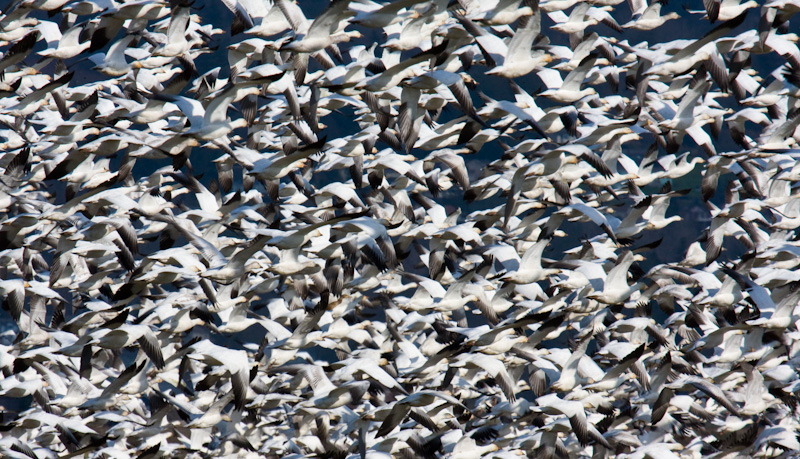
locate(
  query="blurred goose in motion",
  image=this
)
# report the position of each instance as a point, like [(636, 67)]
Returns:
[(235, 363), (326, 394), (376, 15), (266, 166), (615, 288), (298, 237), (125, 335), (327, 29), (569, 90), (512, 59), (177, 44), (68, 45), (114, 63), (211, 122), (648, 17), (690, 55), (502, 12), (684, 117), (723, 10), (31, 102), (582, 16), (574, 412), (19, 50), (518, 58), (432, 295), (530, 266), (393, 75), (401, 408), (256, 17), (220, 269)]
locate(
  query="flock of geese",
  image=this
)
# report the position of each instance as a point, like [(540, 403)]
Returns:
[(461, 264)]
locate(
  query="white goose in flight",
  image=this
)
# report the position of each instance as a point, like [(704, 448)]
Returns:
[(569, 90), (514, 59), (326, 30), (648, 17), (211, 122), (530, 266), (616, 289)]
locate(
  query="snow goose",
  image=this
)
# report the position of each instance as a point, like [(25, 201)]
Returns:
[(468, 448), (212, 122), (327, 29), (688, 56), (417, 31), (724, 10), (678, 167), (616, 289), (569, 90), (258, 17), (777, 316), (269, 166), (68, 46), (501, 12), (780, 136), (493, 365), (519, 59), (176, 44), (592, 214), (569, 377), (556, 5), (709, 388), (431, 294), (757, 399), (616, 376), (530, 266), (326, 394), (401, 407), (235, 363), (552, 404), (299, 236), (656, 214), (34, 100), (126, 335), (371, 367), (684, 117), (378, 16), (114, 63), (292, 262), (649, 17), (581, 17), (737, 124), (219, 268), (395, 74), (17, 52)]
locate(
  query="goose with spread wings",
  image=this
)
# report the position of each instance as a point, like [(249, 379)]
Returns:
[(211, 122)]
